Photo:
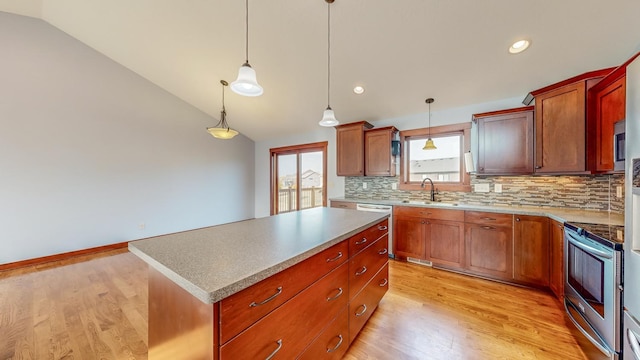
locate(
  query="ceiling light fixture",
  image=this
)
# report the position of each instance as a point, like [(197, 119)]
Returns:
[(222, 129), (429, 145), (246, 84), (519, 46), (358, 90), (328, 117)]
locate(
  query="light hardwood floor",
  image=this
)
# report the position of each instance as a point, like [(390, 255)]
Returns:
[(95, 307)]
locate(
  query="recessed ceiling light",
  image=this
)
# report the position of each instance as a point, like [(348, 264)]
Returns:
[(519, 46), (358, 90)]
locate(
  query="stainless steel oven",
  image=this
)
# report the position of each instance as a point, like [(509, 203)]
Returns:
[(593, 288)]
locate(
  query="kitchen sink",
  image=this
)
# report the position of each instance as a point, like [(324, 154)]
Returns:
[(426, 202)]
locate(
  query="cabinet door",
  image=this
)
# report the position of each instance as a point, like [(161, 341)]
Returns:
[(556, 278), (377, 149), (610, 108), (408, 240), (560, 130), (505, 143), (531, 249), (489, 251), (350, 148), (445, 243)]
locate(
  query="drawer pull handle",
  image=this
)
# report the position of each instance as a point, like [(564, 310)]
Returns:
[(488, 227), (342, 206), (335, 258), (278, 292), (364, 310), (361, 271), (382, 228), (329, 350), (279, 342), (383, 251), (384, 282), (340, 291), (488, 218), (364, 240)]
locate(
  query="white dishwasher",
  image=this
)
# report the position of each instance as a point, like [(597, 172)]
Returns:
[(387, 209)]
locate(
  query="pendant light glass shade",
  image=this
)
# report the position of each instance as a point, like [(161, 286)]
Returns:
[(246, 84), (328, 116), (429, 145), (222, 129)]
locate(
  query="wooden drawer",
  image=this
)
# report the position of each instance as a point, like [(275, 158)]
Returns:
[(429, 213), (343, 204), (333, 342), (367, 237), (363, 305), (236, 311), (364, 266), (488, 218), (288, 330)]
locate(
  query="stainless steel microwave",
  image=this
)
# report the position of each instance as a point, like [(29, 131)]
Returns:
[(618, 145)]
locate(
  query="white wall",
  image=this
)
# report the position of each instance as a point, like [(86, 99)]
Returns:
[(335, 183), (89, 151)]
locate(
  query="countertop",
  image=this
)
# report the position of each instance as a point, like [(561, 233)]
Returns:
[(558, 214), (215, 262)]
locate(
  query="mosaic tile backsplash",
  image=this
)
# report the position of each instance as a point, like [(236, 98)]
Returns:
[(596, 192)]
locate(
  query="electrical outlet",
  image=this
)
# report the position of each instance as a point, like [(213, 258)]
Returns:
[(364, 185), (497, 188), (619, 191), (481, 187), (394, 186), (619, 235)]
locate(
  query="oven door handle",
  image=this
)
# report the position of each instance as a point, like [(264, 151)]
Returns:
[(589, 249), (596, 342)]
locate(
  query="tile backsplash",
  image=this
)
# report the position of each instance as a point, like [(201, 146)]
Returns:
[(596, 192)]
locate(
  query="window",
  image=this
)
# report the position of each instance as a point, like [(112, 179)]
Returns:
[(298, 177), (444, 165)]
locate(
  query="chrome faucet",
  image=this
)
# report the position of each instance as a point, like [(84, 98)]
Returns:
[(433, 193)]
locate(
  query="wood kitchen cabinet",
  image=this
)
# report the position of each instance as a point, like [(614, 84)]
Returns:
[(350, 148), (560, 124), (556, 276), (409, 235), (343, 204), (607, 101), (531, 250), (445, 244), (505, 142), (489, 244), (378, 157)]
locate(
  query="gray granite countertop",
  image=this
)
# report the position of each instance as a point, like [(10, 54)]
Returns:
[(215, 262), (558, 214)]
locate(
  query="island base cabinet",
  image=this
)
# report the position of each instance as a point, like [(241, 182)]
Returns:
[(174, 312), (363, 305), (332, 343), (285, 332)]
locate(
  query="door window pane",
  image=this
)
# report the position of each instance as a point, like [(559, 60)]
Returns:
[(287, 183), (311, 192)]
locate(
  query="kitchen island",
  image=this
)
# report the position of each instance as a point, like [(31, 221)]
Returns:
[(295, 284)]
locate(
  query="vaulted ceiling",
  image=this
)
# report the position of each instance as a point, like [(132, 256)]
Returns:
[(401, 51)]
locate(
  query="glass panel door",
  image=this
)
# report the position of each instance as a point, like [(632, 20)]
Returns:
[(311, 189), (287, 182)]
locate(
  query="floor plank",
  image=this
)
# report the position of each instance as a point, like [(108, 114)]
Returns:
[(95, 307)]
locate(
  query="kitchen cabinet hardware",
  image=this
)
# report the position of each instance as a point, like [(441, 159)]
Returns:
[(383, 251), (363, 241), (488, 227), (279, 342), (340, 339), (538, 167), (361, 271), (331, 298), (382, 228), (278, 292), (383, 283), (488, 218), (364, 310), (335, 258), (517, 219)]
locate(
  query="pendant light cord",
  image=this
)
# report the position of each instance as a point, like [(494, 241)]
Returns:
[(328, 54), (246, 33)]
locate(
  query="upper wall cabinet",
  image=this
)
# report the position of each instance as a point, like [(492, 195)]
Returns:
[(560, 124), (505, 142), (350, 148), (378, 155)]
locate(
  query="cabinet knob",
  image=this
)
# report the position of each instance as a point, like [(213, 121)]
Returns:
[(538, 167), (517, 219)]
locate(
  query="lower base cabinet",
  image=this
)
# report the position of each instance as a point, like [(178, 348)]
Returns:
[(531, 250), (489, 250), (556, 277)]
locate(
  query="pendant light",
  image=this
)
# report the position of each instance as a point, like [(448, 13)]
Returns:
[(429, 145), (246, 84), (328, 117), (222, 129)]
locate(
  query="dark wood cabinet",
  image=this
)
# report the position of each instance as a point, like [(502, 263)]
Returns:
[(505, 142), (409, 237), (607, 102), (378, 157), (350, 148), (556, 276), (445, 243), (489, 250), (531, 249)]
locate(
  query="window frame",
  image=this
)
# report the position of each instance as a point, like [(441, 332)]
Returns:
[(461, 129), (295, 150)]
